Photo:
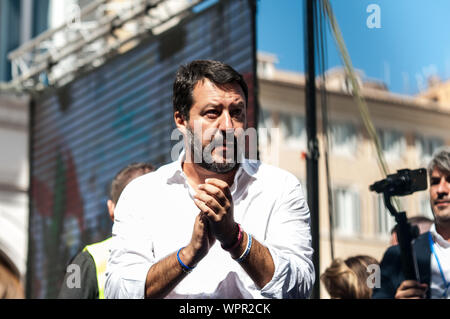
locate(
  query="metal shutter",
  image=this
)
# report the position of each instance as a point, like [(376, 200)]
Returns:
[(84, 133)]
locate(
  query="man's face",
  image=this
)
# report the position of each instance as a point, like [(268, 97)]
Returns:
[(440, 195), (216, 119)]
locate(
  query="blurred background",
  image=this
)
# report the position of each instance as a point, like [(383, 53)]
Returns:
[(85, 89)]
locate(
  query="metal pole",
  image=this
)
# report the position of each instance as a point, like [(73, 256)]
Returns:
[(312, 169), (254, 8)]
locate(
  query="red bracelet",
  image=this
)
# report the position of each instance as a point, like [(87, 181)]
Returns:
[(238, 241)]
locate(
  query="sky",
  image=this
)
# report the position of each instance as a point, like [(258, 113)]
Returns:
[(410, 44)]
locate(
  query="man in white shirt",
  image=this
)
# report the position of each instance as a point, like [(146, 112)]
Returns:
[(432, 249), (243, 225)]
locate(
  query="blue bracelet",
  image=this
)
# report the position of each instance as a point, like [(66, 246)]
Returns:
[(186, 268), (247, 250)]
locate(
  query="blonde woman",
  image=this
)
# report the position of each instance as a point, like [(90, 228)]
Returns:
[(347, 279)]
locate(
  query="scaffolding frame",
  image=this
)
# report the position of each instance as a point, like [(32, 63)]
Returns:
[(89, 36)]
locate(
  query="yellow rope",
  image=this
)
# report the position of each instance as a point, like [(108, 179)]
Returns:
[(356, 90)]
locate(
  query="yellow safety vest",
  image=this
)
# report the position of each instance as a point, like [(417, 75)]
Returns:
[(100, 253)]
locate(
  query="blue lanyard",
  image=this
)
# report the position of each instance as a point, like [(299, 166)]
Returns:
[(446, 284)]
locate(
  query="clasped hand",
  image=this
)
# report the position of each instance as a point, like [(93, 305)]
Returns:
[(216, 205), (215, 220)]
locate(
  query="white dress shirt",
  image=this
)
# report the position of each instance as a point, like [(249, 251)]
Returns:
[(442, 249), (155, 217)]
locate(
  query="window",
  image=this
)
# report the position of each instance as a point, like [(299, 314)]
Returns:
[(392, 142), (265, 124), (293, 128), (343, 139), (385, 221), (426, 146), (346, 211)]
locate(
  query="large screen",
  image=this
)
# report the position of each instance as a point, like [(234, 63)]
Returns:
[(83, 133)]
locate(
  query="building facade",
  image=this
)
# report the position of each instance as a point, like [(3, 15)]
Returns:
[(14, 177), (20, 21), (409, 128)]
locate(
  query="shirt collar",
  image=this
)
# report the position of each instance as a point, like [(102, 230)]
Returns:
[(246, 166), (438, 238), (177, 174)]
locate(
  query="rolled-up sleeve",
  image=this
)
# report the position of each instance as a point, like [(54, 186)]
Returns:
[(131, 252), (289, 242)]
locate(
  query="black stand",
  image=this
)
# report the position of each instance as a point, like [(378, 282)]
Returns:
[(405, 234)]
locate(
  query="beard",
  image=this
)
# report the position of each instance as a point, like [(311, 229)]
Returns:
[(203, 155)]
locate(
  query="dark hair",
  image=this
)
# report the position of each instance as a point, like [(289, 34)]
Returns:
[(125, 176), (188, 75), (415, 220)]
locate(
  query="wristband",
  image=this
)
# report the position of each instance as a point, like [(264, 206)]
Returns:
[(247, 250), (238, 241), (186, 268)]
